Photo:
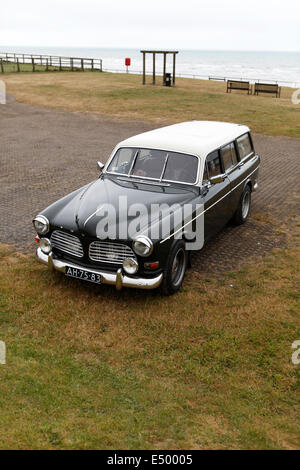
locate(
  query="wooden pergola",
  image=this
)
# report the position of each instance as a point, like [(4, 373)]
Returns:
[(164, 68)]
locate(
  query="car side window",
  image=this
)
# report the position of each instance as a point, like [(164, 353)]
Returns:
[(229, 156), (213, 164), (244, 146)]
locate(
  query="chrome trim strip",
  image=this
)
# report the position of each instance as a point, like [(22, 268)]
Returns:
[(92, 215), (117, 278), (164, 168), (205, 210), (133, 162)]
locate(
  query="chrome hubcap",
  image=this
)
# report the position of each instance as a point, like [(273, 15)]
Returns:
[(178, 267), (246, 204)]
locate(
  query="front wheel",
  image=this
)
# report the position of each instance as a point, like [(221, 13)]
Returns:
[(243, 209), (175, 269)]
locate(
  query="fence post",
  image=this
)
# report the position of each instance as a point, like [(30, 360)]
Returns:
[(47, 64), (100, 65), (18, 65), (60, 64), (33, 67), (1, 62), (82, 65), (71, 61), (92, 64)]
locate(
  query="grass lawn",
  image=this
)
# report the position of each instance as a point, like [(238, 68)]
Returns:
[(89, 367), (123, 96)]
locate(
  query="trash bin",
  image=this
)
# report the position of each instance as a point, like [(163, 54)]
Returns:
[(168, 79)]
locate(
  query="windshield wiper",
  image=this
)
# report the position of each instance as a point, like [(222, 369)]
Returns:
[(134, 179)]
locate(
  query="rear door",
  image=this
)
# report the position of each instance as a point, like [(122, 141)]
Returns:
[(216, 199), (233, 171), (247, 162)]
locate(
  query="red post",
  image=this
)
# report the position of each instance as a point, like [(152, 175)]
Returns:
[(127, 63)]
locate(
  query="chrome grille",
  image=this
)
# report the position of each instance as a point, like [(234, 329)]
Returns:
[(66, 242), (108, 252)]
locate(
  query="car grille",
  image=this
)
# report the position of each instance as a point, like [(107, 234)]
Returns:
[(67, 243), (108, 252)]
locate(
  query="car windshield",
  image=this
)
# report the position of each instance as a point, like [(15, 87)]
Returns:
[(155, 164)]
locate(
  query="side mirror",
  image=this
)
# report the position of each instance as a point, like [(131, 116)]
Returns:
[(216, 179), (100, 166)]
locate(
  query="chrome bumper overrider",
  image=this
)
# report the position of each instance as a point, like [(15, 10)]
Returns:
[(118, 279)]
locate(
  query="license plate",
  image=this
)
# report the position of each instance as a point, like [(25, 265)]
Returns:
[(82, 274)]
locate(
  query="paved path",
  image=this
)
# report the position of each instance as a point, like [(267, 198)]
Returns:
[(44, 154)]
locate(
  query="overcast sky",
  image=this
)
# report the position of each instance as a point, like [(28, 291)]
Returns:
[(173, 24)]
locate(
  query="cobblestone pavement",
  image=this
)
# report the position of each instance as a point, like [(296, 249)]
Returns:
[(45, 154)]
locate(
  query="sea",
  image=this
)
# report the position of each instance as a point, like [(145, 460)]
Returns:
[(263, 66)]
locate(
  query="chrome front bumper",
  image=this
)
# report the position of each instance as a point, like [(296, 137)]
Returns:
[(118, 279)]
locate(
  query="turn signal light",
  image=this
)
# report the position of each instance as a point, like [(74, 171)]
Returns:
[(36, 239), (153, 265)]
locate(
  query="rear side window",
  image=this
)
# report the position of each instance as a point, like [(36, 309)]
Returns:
[(213, 164), (244, 146), (229, 156)]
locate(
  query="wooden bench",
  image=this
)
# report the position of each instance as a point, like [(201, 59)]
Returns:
[(267, 88), (238, 85)]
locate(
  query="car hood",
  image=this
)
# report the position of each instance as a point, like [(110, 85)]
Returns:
[(85, 210)]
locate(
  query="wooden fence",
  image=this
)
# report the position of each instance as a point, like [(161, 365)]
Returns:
[(12, 62)]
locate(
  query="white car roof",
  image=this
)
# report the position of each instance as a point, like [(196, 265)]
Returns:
[(193, 137)]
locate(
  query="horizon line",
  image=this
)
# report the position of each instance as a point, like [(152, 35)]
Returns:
[(139, 48)]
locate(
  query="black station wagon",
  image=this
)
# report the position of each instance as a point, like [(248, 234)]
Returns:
[(160, 195)]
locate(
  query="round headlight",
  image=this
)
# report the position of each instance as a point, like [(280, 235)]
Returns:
[(130, 265), (45, 245), (143, 246), (41, 224)]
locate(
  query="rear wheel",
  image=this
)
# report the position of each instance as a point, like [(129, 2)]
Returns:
[(243, 209), (175, 269)]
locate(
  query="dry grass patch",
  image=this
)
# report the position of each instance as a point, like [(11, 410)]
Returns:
[(88, 367), (123, 96)]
